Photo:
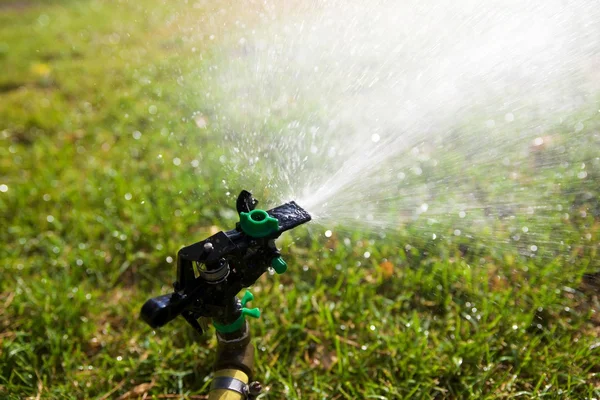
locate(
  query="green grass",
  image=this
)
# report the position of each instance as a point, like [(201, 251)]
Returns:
[(93, 210)]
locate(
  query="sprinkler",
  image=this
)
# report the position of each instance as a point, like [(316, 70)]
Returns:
[(211, 273)]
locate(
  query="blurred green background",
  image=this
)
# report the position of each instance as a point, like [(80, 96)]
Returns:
[(109, 164)]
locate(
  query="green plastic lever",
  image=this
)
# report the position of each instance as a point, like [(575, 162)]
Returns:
[(251, 312), (239, 323), (247, 297)]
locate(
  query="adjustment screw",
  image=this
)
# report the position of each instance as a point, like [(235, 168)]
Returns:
[(208, 246), (254, 388)]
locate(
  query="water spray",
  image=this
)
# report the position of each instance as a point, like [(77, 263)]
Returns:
[(373, 112), (211, 273)]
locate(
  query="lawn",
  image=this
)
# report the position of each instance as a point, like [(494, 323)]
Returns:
[(110, 162)]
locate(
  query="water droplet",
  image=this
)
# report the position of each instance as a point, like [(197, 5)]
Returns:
[(128, 196), (114, 38), (137, 135), (50, 218), (169, 259), (457, 232), (43, 20), (328, 233), (462, 214), (367, 254), (530, 210), (3, 188), (152, 109), (200, 121), (177, 161), (533, 247)]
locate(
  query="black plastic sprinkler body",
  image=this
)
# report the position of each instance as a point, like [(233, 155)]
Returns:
[(212, 272)]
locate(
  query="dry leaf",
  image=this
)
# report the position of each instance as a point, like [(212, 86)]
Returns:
[(387, 269), (137, 391)]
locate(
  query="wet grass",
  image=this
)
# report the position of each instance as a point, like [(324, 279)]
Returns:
[(106, 174)]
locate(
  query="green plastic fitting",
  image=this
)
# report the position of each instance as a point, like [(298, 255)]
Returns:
[(279, 265), (258, 223)]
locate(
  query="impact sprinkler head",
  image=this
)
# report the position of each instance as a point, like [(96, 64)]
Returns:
[(212, 272)]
